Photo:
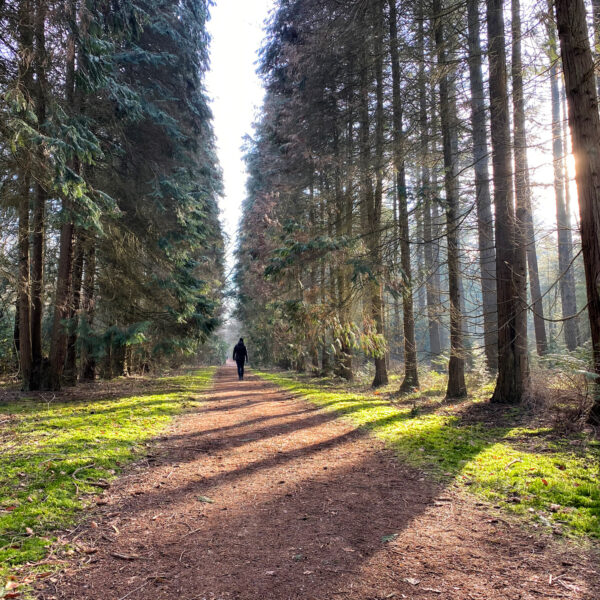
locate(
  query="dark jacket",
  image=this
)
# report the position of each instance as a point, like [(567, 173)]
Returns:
[(240, 354)]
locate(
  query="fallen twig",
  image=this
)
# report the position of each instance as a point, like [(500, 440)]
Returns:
[(193, 531), (137, 589), (126, 556), (81, 469), (148, 580)]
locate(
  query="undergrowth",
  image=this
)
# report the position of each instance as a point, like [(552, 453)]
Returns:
[(497, 453), (55, 457)]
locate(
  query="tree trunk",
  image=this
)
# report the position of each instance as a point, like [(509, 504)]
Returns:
[(25, 82), (70, 374), (513, 367), (58, 344), (485, 220), (88, 363), (420, 259), (563, 218), (596, 23), (397, 337), (431, 271), (17, 337), (437, 218), (435, 345), (24, 287), (456, 369), (582, 100), (344, 360), (466, 331), (381, 376), (39, 206), (411, 375), (325, 362), (569, 237), (522, 185)]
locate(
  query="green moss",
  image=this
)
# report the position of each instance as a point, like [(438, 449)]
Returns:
[(526, 470), (51, 456)]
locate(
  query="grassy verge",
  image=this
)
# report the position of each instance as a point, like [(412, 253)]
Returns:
[(494, 452), (52, 454)]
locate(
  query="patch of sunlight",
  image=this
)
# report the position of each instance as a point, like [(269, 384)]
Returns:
[(551, 482), (51, 457)]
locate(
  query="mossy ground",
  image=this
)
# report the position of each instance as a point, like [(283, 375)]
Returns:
[(53, 454), (501, 454)]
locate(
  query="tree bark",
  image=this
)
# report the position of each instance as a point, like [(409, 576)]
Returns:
[(344, 363), (70, 373), (437, 216), (522, 184), (596, 22), (17, 337), (584, 120), (397, 337), (58, 344), (24, 286), (39, 205), (563, 218), (381, 376), (456, 369), (435, 345), (420, 260), (432, 292), (513, 367), (25, 83), (485, 219), (411, 375), (88, 363)]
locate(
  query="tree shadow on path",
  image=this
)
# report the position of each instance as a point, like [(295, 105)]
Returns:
[(309, 507)]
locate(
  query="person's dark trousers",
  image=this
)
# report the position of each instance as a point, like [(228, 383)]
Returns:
[(240, 367)]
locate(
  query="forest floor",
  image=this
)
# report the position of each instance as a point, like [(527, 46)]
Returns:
[(260, 495), (58, 451)]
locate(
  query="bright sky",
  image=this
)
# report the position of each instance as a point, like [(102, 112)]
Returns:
[(236, 27)]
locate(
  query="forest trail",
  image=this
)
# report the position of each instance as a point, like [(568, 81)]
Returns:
[(260, 496)]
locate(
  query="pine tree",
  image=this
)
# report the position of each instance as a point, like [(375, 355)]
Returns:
[(513, 367), (584, 122)]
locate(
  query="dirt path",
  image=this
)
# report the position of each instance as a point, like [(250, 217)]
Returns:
[(259, 496)]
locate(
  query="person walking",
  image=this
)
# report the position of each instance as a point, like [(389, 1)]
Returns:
[(240, 355)]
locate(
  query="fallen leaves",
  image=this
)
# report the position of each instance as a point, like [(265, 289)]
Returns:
[(10, 588)]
